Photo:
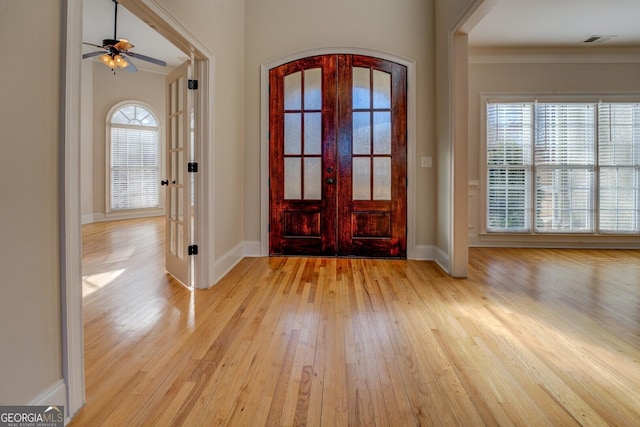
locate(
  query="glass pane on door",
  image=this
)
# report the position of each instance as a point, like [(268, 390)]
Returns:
[(292, 91), (361, 133), (313, 89), (312, 178), (292, 133), (313, 133), (361, 178), (382, 178), (381, 89), (292, 178), (361, 88), (382, 132)]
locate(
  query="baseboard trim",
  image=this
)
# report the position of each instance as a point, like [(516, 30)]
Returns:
[(88, 219), (114, 216), (474, 240), (252, 248), (56, 395), (423, 253), (442, 259), (226, 262)]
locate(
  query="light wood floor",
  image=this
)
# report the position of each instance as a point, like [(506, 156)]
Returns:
[(533, 337)]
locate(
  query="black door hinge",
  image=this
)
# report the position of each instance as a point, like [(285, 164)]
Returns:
[(193, 250), (192, 167), (192, 84)]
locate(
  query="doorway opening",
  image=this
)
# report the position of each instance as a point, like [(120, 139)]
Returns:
[(72, 323)]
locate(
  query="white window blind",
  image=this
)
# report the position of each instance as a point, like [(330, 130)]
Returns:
[(509, 147), (565, 168), (576, 164), (619, 161), (134, 158)]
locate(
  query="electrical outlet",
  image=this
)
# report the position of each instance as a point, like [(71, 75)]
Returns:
[(425, 162)]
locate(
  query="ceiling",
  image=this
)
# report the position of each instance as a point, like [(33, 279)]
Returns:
[(98, 18), (558, 23), (509, 23)]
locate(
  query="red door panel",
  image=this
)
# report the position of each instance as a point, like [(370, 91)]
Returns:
[(302, 218), (372, 136), (338, 157)]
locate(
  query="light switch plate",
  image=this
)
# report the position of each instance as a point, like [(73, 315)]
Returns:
[(425, 162)]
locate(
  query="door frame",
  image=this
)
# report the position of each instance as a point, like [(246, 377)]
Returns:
[(69, 174), (411, 139), (203, 68)]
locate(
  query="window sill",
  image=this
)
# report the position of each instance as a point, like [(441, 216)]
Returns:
[(133, 213)]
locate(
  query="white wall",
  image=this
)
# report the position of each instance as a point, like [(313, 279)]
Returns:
[(220, 26), (556, 74), (30, 313), (277, 28)]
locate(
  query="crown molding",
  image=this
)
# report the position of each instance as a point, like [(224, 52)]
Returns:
[(590, 55)]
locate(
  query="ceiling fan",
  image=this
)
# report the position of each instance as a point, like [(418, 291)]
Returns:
[(113, 50)]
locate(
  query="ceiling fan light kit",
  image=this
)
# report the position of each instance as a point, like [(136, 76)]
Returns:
[(114, 49), (116, 62)]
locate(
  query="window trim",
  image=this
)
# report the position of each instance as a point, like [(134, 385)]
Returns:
[(531, 237), (135, 212)]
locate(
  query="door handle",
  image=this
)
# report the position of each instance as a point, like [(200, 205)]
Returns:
[(330, 181), (164, 182)]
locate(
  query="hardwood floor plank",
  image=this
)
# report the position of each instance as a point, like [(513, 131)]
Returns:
[(167, 417), (532, 337), (275, 416), (294, 389)]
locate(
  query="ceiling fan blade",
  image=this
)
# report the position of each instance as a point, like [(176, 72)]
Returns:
[(94, 45), (131, 67), (92, 54), (146, 58)]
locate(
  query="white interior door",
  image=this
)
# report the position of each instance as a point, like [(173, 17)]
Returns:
[(179, 214)]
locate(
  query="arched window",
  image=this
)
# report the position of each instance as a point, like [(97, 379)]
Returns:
[(133, 155)]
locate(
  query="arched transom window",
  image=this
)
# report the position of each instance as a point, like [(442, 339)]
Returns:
[(134, 158)]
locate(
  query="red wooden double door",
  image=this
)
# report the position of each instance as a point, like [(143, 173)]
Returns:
[(338, 157)]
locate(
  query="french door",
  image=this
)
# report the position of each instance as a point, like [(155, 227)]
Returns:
[(338, 157), (179, 212)]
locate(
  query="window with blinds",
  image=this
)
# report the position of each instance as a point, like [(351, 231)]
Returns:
[(134, 159), (563, 167), (509, 161)]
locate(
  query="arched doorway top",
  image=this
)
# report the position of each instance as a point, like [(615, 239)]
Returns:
[(409, 63)]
